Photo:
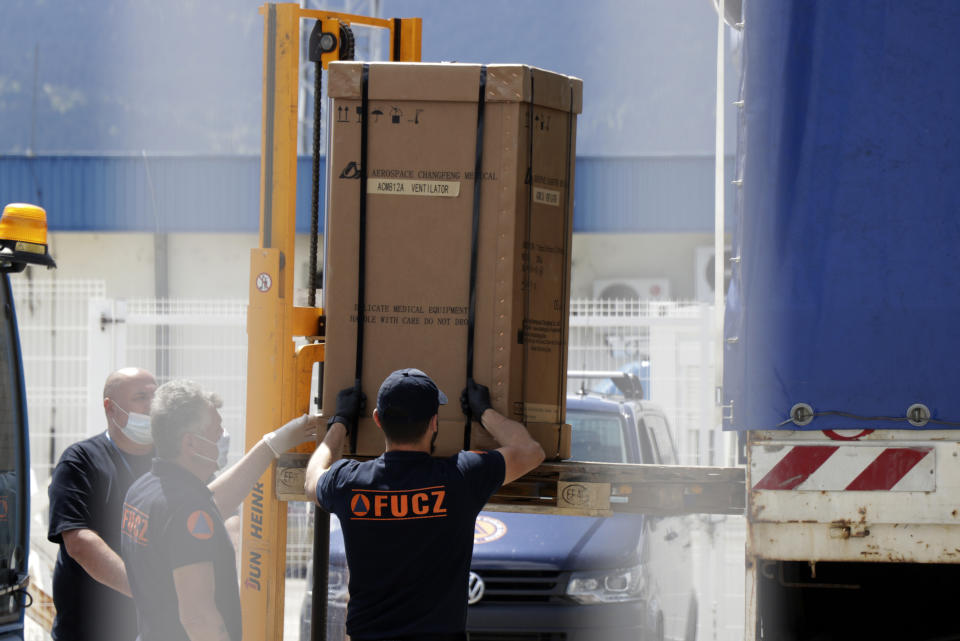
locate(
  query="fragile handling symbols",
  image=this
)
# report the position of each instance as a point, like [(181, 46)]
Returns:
[(394, 115)]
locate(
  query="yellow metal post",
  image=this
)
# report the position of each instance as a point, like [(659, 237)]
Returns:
[(406, 36), (271, 358), (278, 374)]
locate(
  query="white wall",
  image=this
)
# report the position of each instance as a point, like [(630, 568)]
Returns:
[(217, 265), (125, 261), (627, 256), (198, 265)]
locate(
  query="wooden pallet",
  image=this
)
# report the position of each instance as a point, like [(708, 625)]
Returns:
[(590, 489), (42, 611), (601, 489)]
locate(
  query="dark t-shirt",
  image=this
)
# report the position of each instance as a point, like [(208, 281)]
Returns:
[(408, 522), (9, 506), (86, 491), (170, 521)]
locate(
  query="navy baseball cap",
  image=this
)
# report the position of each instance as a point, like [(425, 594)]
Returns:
[(408, 395)]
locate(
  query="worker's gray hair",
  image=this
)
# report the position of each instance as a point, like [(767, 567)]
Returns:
[(179, 407)]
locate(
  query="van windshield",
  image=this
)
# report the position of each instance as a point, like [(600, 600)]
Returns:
[(596, 436)]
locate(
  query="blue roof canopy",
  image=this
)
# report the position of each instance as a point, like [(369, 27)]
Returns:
[(221, 193)]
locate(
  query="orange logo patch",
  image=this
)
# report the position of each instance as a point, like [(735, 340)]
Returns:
[(134, 524), (200, 525), (360, 505), (397, 505)]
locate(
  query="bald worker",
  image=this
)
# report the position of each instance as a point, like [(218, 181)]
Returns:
[(90, 587)]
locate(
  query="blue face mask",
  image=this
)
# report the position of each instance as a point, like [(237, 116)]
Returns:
[(137, 428), (222, 444)]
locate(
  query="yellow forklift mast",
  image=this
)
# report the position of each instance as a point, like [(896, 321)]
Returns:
[(278, 372)]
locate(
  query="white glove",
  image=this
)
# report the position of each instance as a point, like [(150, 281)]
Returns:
[(299, 430)]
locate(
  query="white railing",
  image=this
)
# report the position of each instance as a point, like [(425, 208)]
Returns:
[(73, 336), (52, 315), (669, 346)]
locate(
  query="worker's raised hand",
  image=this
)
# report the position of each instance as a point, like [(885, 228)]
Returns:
[(293, 433), (350, 402), (475, 399)]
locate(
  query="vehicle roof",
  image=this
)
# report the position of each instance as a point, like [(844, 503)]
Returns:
[(599, 403), (649, 406), (594, 404)]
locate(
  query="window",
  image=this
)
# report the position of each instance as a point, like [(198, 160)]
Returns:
[(596, 436), (646, 447), (660, 434)]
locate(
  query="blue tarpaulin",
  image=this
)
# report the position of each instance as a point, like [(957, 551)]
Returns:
[(847, 294)]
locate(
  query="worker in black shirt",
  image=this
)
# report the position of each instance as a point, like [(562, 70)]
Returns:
[(180, 561), (90, 588), (408, 518)]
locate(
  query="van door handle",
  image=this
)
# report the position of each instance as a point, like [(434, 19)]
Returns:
[(671, 535)]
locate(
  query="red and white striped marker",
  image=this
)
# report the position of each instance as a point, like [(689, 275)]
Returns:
[(843, 468)]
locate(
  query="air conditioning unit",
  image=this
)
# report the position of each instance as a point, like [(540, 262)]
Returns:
[(632, 288), (704, 272)]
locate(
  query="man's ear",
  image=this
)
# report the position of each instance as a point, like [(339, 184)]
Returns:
[(183, 440), (108, 406), (376, 418), (435, 423)]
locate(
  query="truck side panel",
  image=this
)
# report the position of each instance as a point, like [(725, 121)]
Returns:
[(845, 296)]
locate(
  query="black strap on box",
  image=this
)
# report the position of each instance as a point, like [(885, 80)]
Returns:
[(526, 277), (477, 178), (362, 228), (567, 221), (315, 181)]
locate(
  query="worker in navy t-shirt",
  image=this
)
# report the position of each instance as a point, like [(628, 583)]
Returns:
[(407, 517), (90, 588), (178, 557)]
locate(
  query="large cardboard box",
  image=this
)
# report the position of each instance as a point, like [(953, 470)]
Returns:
[(422, 126)]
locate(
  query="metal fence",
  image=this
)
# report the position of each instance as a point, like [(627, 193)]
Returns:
[(73, 336), (53, 321), (204, 340), (669, 345)]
